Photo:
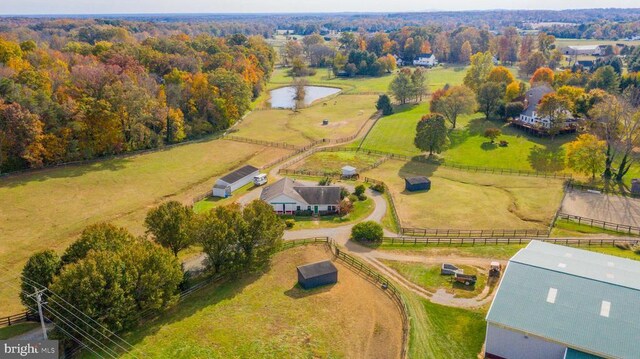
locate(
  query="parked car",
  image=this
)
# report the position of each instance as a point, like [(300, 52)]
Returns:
[(260, 179), (449, 269), (465, 279)]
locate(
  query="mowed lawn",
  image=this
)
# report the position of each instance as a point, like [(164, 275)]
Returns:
[(346, 114), (269, 316), (470, 200), (48, 209), (333, 161)]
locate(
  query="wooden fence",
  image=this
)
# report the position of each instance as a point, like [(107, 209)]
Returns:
[(475, 233), (261, 142), (389, 288), (392, 204), (504, 241), (25, 316), (332, 174), (625, 228), (621, 191)]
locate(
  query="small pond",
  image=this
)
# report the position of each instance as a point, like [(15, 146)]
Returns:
[(283, 97)]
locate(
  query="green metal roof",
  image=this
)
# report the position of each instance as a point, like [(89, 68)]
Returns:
[(576, 354), (584, 300)]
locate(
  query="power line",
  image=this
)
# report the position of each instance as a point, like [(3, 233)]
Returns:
[(77, 328), (64, 331)]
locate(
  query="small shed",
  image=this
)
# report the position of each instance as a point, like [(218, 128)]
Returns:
[(418, 183), (317, 274), (349, 171), (635, 187), (234, 180), (325, 122)]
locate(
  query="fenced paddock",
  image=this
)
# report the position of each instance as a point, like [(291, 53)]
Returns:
[(25, 316), (596, 223), (474, 233)]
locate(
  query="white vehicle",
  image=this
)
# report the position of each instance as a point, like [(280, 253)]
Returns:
[(260, 179)]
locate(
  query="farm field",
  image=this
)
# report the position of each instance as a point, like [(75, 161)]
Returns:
[(579, 42), (470, 200), (49, 208), (346, 114), (268, 316), (334, 161)]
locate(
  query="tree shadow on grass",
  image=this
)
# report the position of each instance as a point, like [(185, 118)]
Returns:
[(21, 179), (210, 295), (403, 108), (297, 292), (489, 146), (549, 159)]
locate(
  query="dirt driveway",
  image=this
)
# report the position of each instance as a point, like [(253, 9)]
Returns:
[(610, 208)]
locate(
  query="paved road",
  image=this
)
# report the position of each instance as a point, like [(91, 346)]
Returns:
[(34, 334)]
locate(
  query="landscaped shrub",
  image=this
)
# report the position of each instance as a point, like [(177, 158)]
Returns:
[(378, 187), (359, 189), (289, 223), (343, 192), (368, 231), (304, 213), (353, 198), (362, 197), (326, 181), (345, 207)]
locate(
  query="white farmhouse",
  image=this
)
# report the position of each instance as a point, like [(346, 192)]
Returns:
[(287, 197), (427, 60), (234, 180), (530, 118)]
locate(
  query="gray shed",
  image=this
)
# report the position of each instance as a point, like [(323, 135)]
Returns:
[(317, 274), (418, 183)]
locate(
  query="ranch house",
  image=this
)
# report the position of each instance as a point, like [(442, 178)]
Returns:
[(234, 180), (427, 60), (558, 302), (530, 117), (288, 197)]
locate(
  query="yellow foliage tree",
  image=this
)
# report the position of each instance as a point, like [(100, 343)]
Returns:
[(586, 155)]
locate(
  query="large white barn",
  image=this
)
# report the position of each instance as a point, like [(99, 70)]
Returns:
[(234, 180)]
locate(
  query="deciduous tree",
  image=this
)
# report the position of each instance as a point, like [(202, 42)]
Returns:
[(586, 155), (169, 225), (456, 101), (489, 98), (431, 133)]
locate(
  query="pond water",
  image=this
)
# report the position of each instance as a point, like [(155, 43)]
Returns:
[(283, 97)]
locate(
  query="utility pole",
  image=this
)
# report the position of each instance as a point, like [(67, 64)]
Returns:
[(38, 296)]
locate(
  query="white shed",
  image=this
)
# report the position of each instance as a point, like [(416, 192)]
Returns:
[(234, 180), (349, 171)]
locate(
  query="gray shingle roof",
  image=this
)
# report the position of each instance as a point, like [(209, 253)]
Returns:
[(317, 269), (533, 97), (584, 300), (417, 180), (238, 174), (312, 195)]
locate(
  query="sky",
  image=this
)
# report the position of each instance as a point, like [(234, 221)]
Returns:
[(17, 7)]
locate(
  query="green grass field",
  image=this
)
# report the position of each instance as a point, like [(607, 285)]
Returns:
[(17, 329), (269, 316), (49, 208), (429, 278), (470, 200), (334, 161), (444, 332), (346, 114), (568, 228)]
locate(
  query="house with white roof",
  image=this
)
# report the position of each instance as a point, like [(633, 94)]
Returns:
[(558, 302), (592, 50)]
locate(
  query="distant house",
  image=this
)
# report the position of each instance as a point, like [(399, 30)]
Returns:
[(399, 61), (428, 60), (592, 50), (587, 65), (530, 118), (417, 183), (288, 197), (234, 180), (317, 274), (349, 171), (557, 302)]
